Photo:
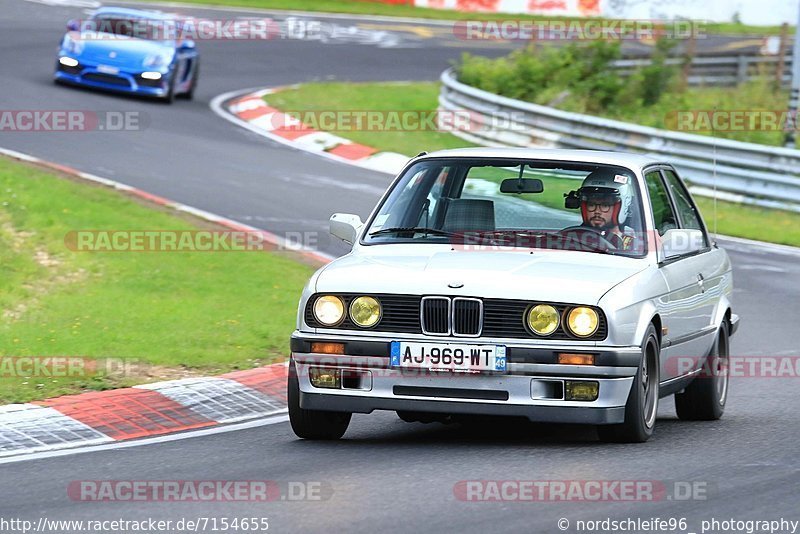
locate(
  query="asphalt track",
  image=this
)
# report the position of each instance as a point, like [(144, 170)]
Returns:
[(386, 475)]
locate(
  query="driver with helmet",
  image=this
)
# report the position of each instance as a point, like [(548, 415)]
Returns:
[(605, 203)]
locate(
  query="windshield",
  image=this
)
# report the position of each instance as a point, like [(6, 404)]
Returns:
[(530, 204)]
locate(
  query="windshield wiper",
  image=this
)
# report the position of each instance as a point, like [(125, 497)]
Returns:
[(415, 229)]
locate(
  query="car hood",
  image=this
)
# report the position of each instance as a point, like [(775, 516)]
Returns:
[(119, 50), (554, 276)]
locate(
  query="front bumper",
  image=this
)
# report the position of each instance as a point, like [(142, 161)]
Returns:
[(529, 388), (122, 81)]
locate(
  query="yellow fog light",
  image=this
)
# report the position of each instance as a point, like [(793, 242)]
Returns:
[(581, 391), (543, 319), (329, 310), (583, 321), (322, 377), (365, 311)]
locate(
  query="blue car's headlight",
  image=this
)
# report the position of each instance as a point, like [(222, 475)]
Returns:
[(71, 46), (157, 61)]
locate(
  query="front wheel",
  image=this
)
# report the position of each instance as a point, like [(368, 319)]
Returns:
[(642, 405), (189, 95), (704, 399), (313, 424), (169, 98)]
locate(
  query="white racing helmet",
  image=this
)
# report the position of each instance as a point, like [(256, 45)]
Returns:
[(607, 186)]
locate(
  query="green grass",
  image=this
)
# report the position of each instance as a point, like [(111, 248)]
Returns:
[(773, 226), (367, 7), (167, 314), (382, 97), (751, 96), (577, 79)]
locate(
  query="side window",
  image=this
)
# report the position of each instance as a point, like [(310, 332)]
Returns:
[(683, 203), (663, 216)]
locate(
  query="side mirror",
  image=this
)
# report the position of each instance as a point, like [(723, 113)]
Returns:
[(524, 185), (678, 242), (73, 25), (187, 45), (345, 226)]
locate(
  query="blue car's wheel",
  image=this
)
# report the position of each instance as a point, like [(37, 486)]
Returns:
[(188, 95), (169, 98)]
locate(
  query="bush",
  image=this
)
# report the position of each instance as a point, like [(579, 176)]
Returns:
[(579, 78), (583, 71)]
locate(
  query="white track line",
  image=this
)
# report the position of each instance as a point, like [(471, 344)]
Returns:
[(279, 416)]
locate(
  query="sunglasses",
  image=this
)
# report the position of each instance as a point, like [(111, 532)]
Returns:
[(603, 207)]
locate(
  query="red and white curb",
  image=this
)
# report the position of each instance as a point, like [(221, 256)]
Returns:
[(157, 409), (142, 411), (249, 110)]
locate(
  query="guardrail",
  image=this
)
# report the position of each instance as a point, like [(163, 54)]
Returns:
[(721, 70), (744, 172)]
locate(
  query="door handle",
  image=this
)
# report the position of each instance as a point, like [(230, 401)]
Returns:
[(701, 283)]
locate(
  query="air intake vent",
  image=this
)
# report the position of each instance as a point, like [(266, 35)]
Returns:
[(436, 315), (467, 317)]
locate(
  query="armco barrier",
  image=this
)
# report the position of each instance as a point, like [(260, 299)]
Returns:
[(744, 172)]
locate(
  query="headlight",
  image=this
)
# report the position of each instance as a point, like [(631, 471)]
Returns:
[(583, 321), (72, 46), (328, 310), (157, 61), (543, 319), (365, 311), (68, 61)]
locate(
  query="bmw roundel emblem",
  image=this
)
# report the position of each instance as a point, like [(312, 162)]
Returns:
[(455, 285)]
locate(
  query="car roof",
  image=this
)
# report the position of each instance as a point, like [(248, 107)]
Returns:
[(133, 13), (623, 159)]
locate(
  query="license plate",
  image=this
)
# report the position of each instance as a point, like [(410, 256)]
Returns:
[(459, 358), (107, 70)]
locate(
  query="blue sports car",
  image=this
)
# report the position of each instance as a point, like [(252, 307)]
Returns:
[(129, 50)]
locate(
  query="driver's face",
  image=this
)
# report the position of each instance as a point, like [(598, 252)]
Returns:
[(600, 213)]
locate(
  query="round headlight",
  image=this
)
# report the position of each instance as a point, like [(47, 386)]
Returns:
[(328, 310), (365, 311), (583, 321), (543, 319)]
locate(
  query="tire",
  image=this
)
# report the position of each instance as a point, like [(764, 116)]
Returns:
[(313, 424), (189, 95), (169, 98), (642, 406), (704, 399)]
